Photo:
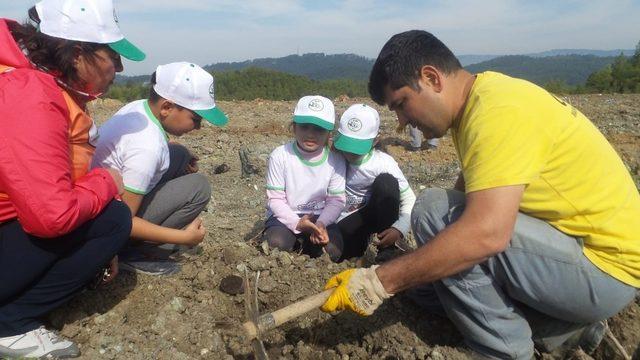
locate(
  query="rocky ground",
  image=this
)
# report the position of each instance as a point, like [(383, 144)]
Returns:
[(187, 316)]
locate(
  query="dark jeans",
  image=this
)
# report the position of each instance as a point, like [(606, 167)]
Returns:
[(277, 235), (381, 211), (37, 275)]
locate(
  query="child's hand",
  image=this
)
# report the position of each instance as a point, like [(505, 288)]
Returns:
[(192, 166), (388, 237), (194, 232), (305, 225), (321, 237)]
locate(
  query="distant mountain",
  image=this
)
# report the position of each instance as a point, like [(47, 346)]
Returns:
[(599, 53), (316, 66), (537, 67), (474, 59), (466, 60), (572, 69)]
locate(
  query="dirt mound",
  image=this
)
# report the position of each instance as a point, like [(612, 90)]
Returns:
[(187, 316)]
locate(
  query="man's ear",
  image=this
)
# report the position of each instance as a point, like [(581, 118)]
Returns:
[(431, 77)]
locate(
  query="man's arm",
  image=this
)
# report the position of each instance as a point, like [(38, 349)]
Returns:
[(483, 230), (142, 229)]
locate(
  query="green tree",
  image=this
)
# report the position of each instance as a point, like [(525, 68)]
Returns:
[(600, 81)]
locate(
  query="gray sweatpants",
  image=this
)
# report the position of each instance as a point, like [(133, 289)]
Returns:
[(416, 139), (179, 197), (541, 287)]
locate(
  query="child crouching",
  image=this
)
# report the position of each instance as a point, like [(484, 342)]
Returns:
[(379, 198), (305, 185)]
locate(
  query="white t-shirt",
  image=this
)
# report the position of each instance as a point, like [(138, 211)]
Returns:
[(305, 183), (360, 177), (134, 143)]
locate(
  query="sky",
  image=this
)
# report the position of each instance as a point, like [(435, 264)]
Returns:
[(209, 31)]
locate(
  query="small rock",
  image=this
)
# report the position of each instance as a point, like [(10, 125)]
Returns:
[(177, 305), (436, 355), (266, 285), (100, 319), (258, 263), (241, 267), (287, 349), (202, 277), (284, 259), (230, 256), (221, 169), (232, 285)]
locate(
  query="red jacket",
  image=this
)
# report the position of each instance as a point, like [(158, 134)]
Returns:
[(38, 140)]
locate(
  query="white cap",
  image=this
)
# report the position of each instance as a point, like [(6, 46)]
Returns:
[(189, 86), (85, 20), (317, 110), (358, 129)]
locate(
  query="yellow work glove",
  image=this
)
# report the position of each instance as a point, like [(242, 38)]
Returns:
[(358, 290)]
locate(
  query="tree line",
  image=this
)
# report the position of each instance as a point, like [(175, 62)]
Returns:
[(621, 76), (254, 83)]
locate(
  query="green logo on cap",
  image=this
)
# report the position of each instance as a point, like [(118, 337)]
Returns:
[(115, 17), (316, 105), (211, 90), (354, 124)]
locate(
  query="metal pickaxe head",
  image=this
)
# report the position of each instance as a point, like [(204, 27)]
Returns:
[(252, 313)]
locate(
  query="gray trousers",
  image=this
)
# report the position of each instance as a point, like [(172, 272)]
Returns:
[(541, 287), (416, 139), (179, 197)]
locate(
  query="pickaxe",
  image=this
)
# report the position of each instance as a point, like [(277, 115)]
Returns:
[(258, 324)]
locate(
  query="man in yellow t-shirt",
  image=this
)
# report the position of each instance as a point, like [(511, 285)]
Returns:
[(540, 240)]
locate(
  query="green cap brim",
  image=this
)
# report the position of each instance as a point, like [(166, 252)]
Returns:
[(313, 120), (128, 50), (352, 145), (215, 116)]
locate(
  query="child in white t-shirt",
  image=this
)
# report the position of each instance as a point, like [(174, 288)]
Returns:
[(305, 185), (379, 198), (162, 187)]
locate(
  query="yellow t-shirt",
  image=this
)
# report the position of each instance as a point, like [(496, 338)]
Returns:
[(512, 132)]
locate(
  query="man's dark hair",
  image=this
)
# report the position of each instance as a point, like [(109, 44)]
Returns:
[(401, 59), (54, 54)]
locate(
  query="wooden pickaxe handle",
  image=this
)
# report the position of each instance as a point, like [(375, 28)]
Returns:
[(274, 319)]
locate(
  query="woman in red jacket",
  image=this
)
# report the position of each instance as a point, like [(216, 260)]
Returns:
[(59, 223)]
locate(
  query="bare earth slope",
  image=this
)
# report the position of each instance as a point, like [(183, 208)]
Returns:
[(186, 316)]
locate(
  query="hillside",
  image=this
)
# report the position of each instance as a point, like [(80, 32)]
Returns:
[(572, 69), (316, 66), (540, 68)]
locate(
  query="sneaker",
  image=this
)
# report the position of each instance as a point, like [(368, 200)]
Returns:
[(592, 336), (38, 343), (148, 260), (586, 339), (150, 267)]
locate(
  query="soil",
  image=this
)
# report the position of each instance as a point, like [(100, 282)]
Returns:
[(187, 316)]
